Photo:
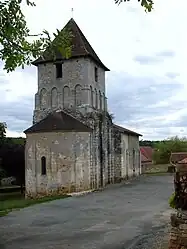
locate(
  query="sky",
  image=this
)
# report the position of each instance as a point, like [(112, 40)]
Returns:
[(146, 53)]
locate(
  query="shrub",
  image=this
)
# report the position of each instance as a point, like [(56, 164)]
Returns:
[(172, 201)]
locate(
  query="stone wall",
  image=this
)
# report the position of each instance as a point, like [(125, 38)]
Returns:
[(68, 162), (126, 155), (102, 145), (178, 234), (76, 88)]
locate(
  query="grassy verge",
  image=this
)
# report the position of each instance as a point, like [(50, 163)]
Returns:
[(158, 169), (12, 201)]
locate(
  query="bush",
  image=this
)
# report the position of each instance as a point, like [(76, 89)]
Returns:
[(172, 201)]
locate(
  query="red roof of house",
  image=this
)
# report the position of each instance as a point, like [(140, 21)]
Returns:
[(178, 156), (183, 161), (144, 159), (147, 153)]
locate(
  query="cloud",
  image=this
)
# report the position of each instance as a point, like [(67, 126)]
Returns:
[(147, 60), (146, 104), (146, 53), (172, 75), (155, 58), (166, 53)]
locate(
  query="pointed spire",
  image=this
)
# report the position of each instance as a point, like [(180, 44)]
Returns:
[(80, 46)]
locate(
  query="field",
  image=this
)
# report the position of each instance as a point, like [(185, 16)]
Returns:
[(156, 169), (15, 200)]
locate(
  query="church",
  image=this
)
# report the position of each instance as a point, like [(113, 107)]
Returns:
[(73, 144)]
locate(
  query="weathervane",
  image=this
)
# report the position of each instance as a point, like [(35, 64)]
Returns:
[(72, 12)]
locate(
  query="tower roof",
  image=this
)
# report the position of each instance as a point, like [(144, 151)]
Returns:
[(80, 47)]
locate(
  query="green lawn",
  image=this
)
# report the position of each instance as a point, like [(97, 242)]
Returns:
[(11, 201), (157, 169)]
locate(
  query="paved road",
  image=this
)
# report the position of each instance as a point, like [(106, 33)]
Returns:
[(115, 218)]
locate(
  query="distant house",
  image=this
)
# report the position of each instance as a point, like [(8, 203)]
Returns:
[(177, 157), (146, 155)]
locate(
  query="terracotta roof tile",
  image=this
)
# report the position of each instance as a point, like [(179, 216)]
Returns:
[(144, 159), (183, 161), (177, 156), (147, 151)]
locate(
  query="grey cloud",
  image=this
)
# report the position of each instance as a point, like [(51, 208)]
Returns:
[(17, 114), (154, 58), (166, 53), (182, 121), (28, 69), (147, 60), (171, 75), (132, 100)]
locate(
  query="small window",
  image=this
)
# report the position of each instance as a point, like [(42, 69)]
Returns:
[(43, 165), (59, 70), (96, 74)]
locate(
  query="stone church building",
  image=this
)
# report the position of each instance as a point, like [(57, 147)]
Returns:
[(73, 144)]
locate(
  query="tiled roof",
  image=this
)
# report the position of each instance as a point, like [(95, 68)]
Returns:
[(80, 47), (147, 151), (144, 159), (178, 156), (58, 121), (124, 130), (183, 161)]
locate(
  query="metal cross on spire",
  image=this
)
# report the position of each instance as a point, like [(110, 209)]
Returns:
[(72, 10)]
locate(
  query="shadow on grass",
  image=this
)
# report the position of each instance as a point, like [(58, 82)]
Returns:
[(12, 201)]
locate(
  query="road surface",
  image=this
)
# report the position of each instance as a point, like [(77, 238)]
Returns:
[(123, 216)]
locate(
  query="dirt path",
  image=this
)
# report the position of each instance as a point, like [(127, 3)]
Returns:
[(122, 216)]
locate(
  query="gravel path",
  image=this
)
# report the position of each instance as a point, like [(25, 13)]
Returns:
[(123, 216)]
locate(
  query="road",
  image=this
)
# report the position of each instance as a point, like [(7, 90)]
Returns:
[(117, 218)]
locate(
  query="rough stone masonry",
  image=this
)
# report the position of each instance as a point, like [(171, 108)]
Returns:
[(73, 144), (178, 235)]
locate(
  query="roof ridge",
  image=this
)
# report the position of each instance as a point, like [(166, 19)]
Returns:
[(58, 121)]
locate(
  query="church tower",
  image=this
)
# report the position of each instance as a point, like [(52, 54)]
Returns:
[(77, 83)]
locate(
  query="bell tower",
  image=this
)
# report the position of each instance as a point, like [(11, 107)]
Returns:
[(76, 83)]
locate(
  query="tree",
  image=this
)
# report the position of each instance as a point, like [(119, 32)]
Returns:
[(147, 4), (164, 148), (3, 127), (16, 49)]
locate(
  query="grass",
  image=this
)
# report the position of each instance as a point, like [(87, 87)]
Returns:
[(12, 201), (158, 169)]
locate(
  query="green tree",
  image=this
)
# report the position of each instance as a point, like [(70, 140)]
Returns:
[(147, 4), (3, 127), (164, 148), (16, 49)]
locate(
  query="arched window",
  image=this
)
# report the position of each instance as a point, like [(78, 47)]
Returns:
[(101, 100), (104, 100), (43, 98), (78, 95), (91, 96), (54, 97), (96, 99), (66, 96), (43, 165)]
